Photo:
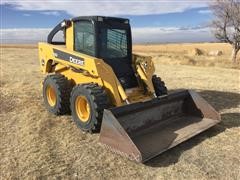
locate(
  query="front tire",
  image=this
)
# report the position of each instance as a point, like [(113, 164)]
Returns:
[(87, 104)]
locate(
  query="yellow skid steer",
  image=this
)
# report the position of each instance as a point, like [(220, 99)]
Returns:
[(93, 74)]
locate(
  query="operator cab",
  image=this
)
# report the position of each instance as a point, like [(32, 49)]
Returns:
[(107, 38)]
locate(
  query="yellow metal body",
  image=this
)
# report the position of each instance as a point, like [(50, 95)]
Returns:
[(95, 70), (145, 69)]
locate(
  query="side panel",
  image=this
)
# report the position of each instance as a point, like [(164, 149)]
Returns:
[(45, 62), (80, 68)]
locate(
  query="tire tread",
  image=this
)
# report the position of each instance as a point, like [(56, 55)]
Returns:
[(159, 86)]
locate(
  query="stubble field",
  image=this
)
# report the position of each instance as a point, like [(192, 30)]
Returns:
[(37, 144)]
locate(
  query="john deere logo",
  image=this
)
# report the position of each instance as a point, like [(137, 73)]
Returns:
[(76, 61)]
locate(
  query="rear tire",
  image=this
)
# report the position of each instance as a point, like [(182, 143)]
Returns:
[(88, 102), (56, 94), (159, 86)]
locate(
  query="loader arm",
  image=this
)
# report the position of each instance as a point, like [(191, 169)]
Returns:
[(144, 68)]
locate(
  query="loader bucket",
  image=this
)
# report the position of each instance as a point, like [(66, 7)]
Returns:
[(143, 130)]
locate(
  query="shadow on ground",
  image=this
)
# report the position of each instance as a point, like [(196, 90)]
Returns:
[(219, 100)]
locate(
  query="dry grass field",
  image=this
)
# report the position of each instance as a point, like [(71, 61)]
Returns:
[(37, 144), (197, 54)]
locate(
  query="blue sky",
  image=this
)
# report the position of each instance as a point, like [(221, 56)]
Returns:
[(151, 20)]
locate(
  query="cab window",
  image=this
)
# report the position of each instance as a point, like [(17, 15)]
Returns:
[(84, 37), (113, 43)]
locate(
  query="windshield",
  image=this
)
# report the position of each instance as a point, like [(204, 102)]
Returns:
[(113, 43)]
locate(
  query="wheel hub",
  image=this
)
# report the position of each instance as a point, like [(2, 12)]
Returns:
[(82, 108), (51, 96)]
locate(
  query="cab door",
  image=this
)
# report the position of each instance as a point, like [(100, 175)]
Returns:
[(115, 50)]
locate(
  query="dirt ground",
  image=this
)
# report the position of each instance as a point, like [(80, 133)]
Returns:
[(37, 144)]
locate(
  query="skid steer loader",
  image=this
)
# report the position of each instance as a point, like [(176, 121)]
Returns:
[(93, 74)]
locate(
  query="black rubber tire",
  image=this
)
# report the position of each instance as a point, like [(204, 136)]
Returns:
[(159, 86), (98, 101), (62, 87)]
